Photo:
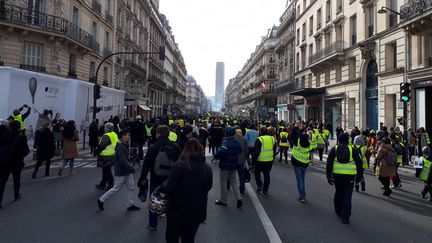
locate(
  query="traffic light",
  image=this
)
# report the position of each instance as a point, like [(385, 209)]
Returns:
[(405, 92), (162, 53), (97, 91)]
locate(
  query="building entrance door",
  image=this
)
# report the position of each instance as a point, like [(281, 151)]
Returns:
[(372, 96)]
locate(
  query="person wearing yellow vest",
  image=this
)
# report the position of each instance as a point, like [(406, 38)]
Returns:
[(344, 166), (321, 140), (173, 135), (17, 116), (262, 159), (148, 130), (360, 147), (283, 144), (426, 173), (313, 143), (401, 153), (106, 155), (326, 134), (300, 159)]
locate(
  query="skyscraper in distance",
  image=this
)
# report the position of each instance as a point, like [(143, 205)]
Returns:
[(220, 80)]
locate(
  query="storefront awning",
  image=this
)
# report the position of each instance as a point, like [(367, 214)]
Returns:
[(144, 107), (307, 92)]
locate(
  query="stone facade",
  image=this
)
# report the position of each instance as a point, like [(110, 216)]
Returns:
[(196, 101), (70, 38), (348, 62)]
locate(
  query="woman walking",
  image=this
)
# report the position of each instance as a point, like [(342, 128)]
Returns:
[(70, 150), (387, 164), (187, 187), (45, 147)]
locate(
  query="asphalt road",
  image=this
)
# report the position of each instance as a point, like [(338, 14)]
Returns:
[(63, 209)]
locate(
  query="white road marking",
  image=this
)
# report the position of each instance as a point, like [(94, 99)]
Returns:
[(90, 165), (265, 220)]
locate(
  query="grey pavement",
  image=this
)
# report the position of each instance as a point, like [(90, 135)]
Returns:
[(63, 209)]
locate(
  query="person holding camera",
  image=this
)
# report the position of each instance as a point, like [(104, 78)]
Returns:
[(17, 116)]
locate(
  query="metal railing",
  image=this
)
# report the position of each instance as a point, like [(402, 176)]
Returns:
[(94, 44), (96, 6), (335, 47), (106, 51), (414, 8), (33, 68), (25, 17)]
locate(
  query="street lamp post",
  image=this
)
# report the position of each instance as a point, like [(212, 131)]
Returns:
[(161, 54)]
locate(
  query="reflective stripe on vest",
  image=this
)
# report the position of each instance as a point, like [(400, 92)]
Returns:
[(110, 149), (172, 137), (320, 138), (427, 138), (349, 168), (267, 143), (426, 169), (301, 154), (19, 118), (283, 144), (170, 121)]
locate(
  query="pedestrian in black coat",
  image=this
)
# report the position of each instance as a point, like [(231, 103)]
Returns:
[(93, 136), (14, 161), (45, 145), (187, 187)]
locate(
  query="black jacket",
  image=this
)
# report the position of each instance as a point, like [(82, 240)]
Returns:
[(343, 157), (228, 154), (137, 132), (121, 162), (187, 189), (44, 143), (150, 157)]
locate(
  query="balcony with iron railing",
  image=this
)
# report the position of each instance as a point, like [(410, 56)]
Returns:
[(413, 9), (44, 22), (94, 44), (106, 51), (335, 48), (96, 6), (34, 68)]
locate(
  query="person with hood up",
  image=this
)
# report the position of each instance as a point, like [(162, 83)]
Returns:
[(228, 156), (344, 165), (386, 166)]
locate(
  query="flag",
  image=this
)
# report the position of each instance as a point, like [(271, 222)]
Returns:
[(262, 86)]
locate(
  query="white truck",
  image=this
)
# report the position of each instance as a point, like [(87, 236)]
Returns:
[(72, 98)]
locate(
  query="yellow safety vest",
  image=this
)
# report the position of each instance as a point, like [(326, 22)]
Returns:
[(320, 138), (349, 168), (19, 118), (362, 150), (148, 130), (399, 157), (283, 144), (313, 142), (110, 149), (267, 144), (301, 154), (427, 138), (426, 169), (172, 137), (326, 133), (170, 121)]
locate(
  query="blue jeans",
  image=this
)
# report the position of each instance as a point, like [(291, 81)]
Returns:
[(241, 174), (266, 171), (68, 161), (215, 150), (153, 218), (300, 173)]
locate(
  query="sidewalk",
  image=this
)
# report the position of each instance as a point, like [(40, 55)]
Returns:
[(29, 162)]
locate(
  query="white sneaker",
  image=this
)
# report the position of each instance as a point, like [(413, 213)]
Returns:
[(391, 187)]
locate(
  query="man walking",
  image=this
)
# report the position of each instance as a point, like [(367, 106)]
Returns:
[(344, 164), (265, 152), (163, 151), (106, 155), (123, 172)]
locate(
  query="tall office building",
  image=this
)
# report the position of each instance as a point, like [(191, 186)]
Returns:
[(220, 79)]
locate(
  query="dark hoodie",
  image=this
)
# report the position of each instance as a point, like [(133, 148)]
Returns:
[(229, 151), (343, 155)]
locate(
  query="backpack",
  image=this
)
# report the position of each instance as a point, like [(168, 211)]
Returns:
[(284, 138), (163, 163)]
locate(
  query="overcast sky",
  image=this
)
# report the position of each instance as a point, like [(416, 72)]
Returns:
[(209, 31)]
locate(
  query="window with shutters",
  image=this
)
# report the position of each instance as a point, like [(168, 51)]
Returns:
[(32, 54)]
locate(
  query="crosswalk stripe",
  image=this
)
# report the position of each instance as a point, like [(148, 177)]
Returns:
[(90, 165)]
